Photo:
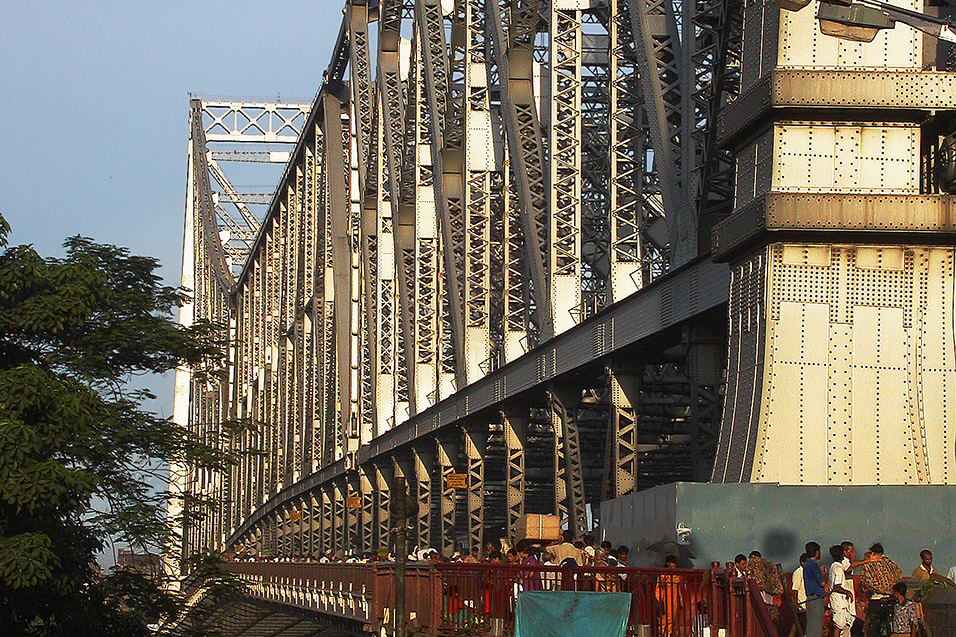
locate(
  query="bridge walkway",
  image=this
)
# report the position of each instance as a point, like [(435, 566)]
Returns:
[(479, 599)]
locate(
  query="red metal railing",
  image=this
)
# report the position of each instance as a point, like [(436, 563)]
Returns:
[(479, 599)]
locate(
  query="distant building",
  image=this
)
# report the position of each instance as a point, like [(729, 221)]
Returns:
[(145, 563)]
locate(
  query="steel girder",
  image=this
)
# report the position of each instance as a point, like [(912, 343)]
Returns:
[(422, 264), (514, 56), (660, 58), (341, 269), (445, 147), (214, 242)]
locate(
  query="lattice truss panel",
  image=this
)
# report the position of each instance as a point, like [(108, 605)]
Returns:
[(473, 178)]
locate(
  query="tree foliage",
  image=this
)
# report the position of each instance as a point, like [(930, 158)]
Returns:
[(79, 453)]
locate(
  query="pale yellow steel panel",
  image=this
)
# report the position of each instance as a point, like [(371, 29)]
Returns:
[(783, 454), (890, 158), (796, 423), (872, 258), (819, 158), (789, 142), (898, 47), (481, 150), (938, 373), (937, 320), (864, 454), (815, 324), (880, 359), (839, 401), (939, 438), (847, 155), (813, 412), (800, 42), (846, 158), (426, 221), (804, 157), (897, 458), (791, 330), (797, 254)]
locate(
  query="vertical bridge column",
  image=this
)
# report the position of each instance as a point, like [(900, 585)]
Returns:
[(569, 499), (515, 426), (424, 458), (476, 442), (403, 466), (353, 513), (383, 493), (705, 359), (315, 524), (621, 476), (447, 456), (339, 532), (327, 541), (365, 476)]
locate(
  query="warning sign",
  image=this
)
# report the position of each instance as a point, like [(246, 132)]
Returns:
[(457, 481)]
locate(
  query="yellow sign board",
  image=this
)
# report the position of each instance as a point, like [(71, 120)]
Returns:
[(354, 502), (457, 481)]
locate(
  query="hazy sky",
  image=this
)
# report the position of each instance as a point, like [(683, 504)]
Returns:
[(94, 105)]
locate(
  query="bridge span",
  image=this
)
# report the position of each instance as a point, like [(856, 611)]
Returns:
[(532, 256)]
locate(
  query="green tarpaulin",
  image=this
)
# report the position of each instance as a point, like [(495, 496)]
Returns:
[(570, 613)]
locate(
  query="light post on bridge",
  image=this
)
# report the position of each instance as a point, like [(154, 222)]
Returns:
[(861, 20)]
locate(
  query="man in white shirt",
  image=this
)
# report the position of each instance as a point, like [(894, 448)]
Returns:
[(841, 596), (925, 568), (800, 597)]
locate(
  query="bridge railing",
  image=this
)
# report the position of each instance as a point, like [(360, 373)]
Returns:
[(479, 599), (342, 590)]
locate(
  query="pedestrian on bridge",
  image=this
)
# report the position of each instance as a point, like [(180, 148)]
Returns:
[(816, 593), (567, 551)]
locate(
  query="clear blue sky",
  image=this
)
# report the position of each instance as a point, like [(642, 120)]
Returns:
[(94, 105)]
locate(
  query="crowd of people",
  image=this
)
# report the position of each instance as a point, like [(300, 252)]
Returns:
[(844, 596), (835, 594), (567, 551)]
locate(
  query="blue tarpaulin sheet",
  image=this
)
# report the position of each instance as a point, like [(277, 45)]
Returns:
[(571, 613)]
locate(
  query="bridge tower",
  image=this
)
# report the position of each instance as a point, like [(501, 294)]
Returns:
[(841, 368)]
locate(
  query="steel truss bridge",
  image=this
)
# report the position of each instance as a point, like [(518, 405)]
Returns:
[(567, 250)]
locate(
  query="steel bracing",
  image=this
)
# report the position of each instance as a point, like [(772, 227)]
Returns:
[(500, 261)]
